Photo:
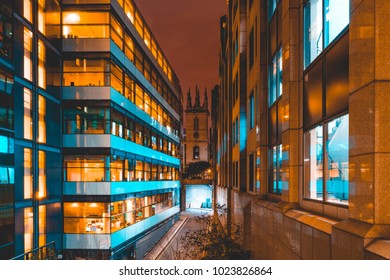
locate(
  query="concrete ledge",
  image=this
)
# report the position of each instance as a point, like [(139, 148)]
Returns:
[(379, 249)]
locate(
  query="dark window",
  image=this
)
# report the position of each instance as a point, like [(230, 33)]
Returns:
[(195, 152), (251, 49)]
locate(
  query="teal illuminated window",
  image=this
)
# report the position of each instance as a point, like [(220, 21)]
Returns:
[(272, 6), (326, 161), (276, 77), (323, 21), (252, 111), (276, 169), (336, 18)]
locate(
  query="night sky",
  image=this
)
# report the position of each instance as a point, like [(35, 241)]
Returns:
[(188, 33)]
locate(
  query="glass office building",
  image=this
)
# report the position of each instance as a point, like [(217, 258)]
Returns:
[(90, 121)]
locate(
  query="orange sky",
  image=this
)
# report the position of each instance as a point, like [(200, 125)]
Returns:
[(188, 33)]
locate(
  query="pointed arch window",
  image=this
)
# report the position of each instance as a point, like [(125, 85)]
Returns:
[(195, 152), (196, 123)]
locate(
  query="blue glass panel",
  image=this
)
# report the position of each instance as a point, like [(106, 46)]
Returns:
[(337, 146), (336, 18), (312, 30)]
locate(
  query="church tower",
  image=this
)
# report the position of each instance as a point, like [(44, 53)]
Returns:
[(196, 142)]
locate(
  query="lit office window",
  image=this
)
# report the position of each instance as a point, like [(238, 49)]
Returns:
[(41, 64), (323, 21), (314, 163), (252, 173), (28, 229), (258, 170), (326, 169), (41, 119), (42, 16), (78, 24), (276, 169), (41, 174), (337, 160), (336, 18), (276, 77), (28, 177), (42, 225), (312, 33), (252, 112), (27, 63), (27, 116), (27, 10)]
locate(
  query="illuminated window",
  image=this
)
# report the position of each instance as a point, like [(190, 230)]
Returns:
[(41, 64), (27, 54), (42, 225), (85, 24), (28, 229), (42, 16), (323, 21), (27, 10), (275, 77), (276, 169), (41, 174), (272, 7), (326, 161), (41, 119), (28, 178), (252, 112), (85, 169), (116, 32), (27, 116)]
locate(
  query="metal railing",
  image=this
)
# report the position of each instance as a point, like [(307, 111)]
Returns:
[(45, 252)]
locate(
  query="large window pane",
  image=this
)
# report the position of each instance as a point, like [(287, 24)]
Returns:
[(276, 169), (27, 118), (336, 18), (275, 77), (313, 163), (312, 22), (337, 160)]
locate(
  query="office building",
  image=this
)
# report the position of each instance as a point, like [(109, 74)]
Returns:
[(301, 127), (90, 124)]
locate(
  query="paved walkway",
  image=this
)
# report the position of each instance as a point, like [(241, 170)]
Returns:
[(166, 248)]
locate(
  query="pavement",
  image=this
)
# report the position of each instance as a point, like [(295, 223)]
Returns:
[(169, 242)]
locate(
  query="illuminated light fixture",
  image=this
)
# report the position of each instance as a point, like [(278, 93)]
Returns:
[(146, 42), (72, 18), (169, 129), (93, 205), (74, 204), (66, 30)]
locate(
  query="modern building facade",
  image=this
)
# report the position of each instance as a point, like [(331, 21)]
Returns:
[(90, 122), (300, 127)]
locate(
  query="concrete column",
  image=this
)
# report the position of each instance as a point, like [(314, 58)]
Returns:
[(289, 107)]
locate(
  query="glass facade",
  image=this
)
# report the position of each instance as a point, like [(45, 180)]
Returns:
[(276, 77), (326, 161), (276, 154), (105, 168), (323, 21), (100, 218)]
